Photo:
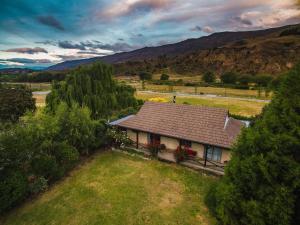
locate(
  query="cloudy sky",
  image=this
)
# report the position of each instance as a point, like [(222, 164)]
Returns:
[(37, 33)]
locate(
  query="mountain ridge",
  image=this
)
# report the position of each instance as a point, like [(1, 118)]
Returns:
[(207, 44)]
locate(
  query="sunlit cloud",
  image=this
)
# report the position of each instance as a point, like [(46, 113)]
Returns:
[(63, 30)]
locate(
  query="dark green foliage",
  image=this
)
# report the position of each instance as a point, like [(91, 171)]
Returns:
[(295, 30), (229, 78), (245, 79), (36, 77), (261, 183), (145, 76), (45, 146), (13, 188), (164, 77), (92, 86), (262, 80), (210, 199), (209, 77), (38, 184), (14, 102), (46, 166)]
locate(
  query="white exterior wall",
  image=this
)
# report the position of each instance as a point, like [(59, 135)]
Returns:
[(199, 148), (170, 143), (226, 155), (143, 138), (131, 135)]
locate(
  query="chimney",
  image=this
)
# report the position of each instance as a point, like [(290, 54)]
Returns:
[(174, 99)]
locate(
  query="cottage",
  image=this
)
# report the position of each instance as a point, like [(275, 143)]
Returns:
[(209, 132)]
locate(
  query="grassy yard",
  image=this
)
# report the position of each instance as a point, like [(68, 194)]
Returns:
[(118, 189), (235, 106)]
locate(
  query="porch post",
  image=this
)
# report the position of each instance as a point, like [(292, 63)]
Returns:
[(205, 155), (137, 139)]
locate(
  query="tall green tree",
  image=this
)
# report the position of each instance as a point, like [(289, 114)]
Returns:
[(229, 78), (14, 102), (92, 86), (209, 77), (261, 183)]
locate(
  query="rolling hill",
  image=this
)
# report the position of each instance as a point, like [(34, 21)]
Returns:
[(264, 51)]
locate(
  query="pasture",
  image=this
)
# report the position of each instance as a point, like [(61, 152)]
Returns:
[(113, 188)]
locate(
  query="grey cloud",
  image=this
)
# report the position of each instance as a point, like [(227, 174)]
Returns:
[(243, 20), (196, 28), (47, 42), (122, 7), (116, 47), (27, 50), (51, 22), (71, 45)]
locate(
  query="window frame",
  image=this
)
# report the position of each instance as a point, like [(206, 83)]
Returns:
[(214, 153), (185, 143)]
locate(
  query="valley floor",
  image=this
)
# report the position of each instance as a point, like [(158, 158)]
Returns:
[(114, 188)]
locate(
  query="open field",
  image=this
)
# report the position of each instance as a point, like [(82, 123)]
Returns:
[(242, 107), (231, 92), (118, 189), (235, 106)]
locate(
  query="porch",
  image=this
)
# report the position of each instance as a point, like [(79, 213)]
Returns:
[(194, 163)]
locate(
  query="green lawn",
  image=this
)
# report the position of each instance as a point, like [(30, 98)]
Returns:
[(118, 189)]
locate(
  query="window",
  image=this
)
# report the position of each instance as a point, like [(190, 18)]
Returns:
[(214, 153), (186, 143)]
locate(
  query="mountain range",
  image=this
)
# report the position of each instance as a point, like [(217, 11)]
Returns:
[(271, 51)]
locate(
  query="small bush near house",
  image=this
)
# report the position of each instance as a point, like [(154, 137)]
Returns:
[(180, 154), (118, 138)]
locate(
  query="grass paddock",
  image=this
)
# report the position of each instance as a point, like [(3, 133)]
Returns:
[(114, 188)]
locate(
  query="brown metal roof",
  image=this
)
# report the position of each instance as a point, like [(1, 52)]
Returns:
[(201, 124)]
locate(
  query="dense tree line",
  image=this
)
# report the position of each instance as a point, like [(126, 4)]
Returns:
[(44, 145), (93, 86), (41, 148), (36, 77), (261, 183), (14, 102)]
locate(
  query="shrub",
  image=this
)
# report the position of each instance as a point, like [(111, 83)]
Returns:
[(210, 199), (37, 185), (118, 138), (229, 78), (13, 188), (14, 102), (145, 76), (66, 155), (180, 154), (47, 166), (263, 80), (245, 79), (164, 77), (209, 77)]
